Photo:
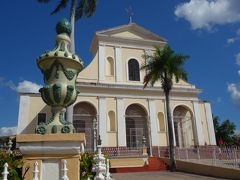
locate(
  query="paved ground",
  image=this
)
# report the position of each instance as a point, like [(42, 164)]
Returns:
[(160, 175)]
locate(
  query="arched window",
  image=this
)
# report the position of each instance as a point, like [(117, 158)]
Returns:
[(183, 127), (111, 118), (110, 66), (133, 70), (161, 124)]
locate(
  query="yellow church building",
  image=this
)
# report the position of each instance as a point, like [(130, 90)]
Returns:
[(112, 94)]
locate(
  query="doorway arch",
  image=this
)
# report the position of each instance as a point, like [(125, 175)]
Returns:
[(136, 126), (83, 115), (183, 126)]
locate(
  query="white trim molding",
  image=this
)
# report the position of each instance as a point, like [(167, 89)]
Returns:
[(102, 120), (24, 105), (121, 123), (118, 64), (153, 120), (101, 63), (211, 131), (198, 124)]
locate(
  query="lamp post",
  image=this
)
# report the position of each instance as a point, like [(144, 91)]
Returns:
[(95, 128)]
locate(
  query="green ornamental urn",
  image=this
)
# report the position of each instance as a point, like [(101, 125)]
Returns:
[(60, 69)]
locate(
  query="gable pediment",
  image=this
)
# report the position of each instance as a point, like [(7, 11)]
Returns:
[(131, 31)]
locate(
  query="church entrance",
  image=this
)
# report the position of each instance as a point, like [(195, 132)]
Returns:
[(183, 127), (136, 126), (83, 115)]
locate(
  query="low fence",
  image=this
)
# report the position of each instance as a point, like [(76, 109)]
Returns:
[(35, 172), (210, 155), (114, 152)]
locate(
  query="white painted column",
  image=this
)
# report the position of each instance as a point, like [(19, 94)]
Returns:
[(101, 63), (70, 113), (153, 121), (198, 124), (121, 123), (209, 118), (173, 129), (118, 64), (102, 121), (23, 113)]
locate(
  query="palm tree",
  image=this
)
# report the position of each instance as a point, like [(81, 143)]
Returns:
[(83, 8), (165, 66)]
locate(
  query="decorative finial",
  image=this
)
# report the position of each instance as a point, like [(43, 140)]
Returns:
[(130, 13), (64, 26), (99, 140)]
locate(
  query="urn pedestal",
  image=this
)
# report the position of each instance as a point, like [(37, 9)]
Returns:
[(49, 151), (55, 141)]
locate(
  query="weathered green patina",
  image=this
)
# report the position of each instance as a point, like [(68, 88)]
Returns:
[(60, 69)]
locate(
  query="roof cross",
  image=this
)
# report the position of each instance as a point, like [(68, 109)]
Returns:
[(130, 13)]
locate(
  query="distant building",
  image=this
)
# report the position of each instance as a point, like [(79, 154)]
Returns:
[(111, 91)]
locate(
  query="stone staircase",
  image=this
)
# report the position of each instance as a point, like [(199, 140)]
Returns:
[(124, 165)]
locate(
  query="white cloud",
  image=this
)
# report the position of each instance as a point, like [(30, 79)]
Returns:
[(238, 59), (8, 131), (22, 87), (6, 83), (28, 87), (234, 91), (204, 14), (232, 40)]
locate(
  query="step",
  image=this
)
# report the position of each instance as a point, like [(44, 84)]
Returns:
[(135, 165), (127, 162)]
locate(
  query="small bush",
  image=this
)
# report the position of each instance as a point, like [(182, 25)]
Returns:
[(15, 165), (86, 165)]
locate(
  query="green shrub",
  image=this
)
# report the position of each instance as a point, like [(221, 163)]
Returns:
[(15, 165), (86, 165)]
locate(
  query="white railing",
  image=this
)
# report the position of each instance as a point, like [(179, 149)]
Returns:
[(36, 171), (228, 157)]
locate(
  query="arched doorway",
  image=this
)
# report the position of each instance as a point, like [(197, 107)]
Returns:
[(183, 127), (136, 126), (83, 115)]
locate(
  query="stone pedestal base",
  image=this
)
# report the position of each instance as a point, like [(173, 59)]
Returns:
[(49, 151)]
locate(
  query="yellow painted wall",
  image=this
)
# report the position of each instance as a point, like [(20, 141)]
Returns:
[(91, 100), (188, 104), (127, 34), (90, 73), (162, 139), (109, 52), (112, 139), (36, 106), (142, 102), (112, 136), (127, 54)]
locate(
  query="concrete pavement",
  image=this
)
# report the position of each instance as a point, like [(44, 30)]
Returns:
[(160, 175)]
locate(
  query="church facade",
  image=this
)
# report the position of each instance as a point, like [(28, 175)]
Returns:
[(112, 94)]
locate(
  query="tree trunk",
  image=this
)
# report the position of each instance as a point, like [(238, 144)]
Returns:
[(170, 133), (72, 17)]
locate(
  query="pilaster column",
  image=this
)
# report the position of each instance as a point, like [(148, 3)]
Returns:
[(23, 113), (101, 63), (102, 120), (70, 113), (121, 123), (211, 131), (153, 122), (118, 64), (198, 124), (172, 121)]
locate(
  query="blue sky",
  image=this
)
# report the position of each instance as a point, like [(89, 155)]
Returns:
[(209, 32)]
